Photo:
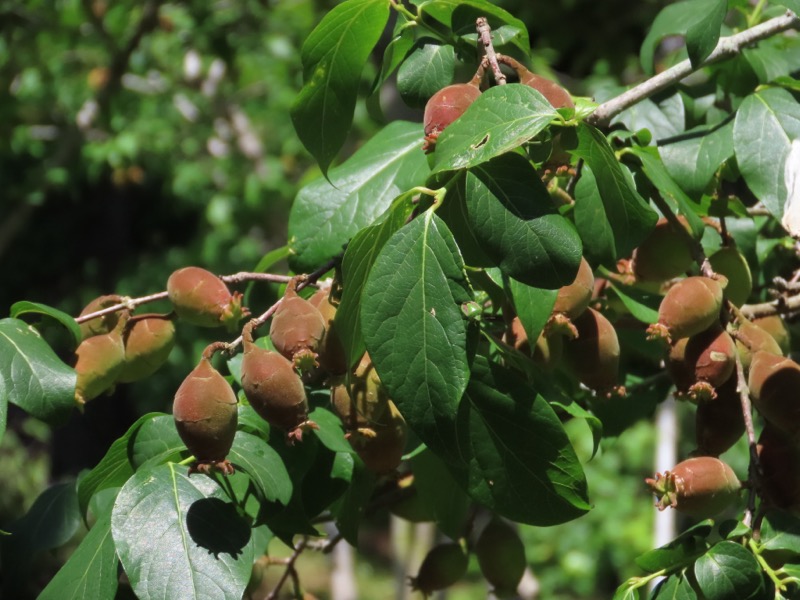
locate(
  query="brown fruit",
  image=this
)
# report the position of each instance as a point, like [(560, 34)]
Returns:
[(779, 457), (206, 416), (382, 448), (751, 339), (297, 330), (701, 487), (728, 261), (703, 362), (444, 565), (573, 299), (774, 382), (547, 351), (148, 341), (501, 556), (689, 307), (100, 325), (719, 423), (364, 404), (331, 352), (444, 107), (594, 356), (100, 359), (274, 389), (201, 298), (664, 254), (775, 326), (553, 93)]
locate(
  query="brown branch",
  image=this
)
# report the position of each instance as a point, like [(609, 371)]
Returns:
[(290, 571), (781, 306), (754, 468), (485, 39), (129, 304)]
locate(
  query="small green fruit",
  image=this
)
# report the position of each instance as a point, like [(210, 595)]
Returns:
[(775, 326), (444, 565), (701, 487), (751, 339), (148, 342), (201, 298), (501, 556), (728, 261)]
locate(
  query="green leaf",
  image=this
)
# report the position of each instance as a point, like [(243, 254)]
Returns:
[(592, 221), (358, 259), (250, 421), (774, 58), (427, 69), (330, 432), (729, 572), (680, 551), (350, 508), (626, 592), (156, 442), (333, 57), (395, 53), (265, 467), (533, 306), (793, 5), (501, 119), (703, 35), (662, 120), (694, 157), (674, 19), (674, 587), (50, 522), (513, 218), (25, 307), (91, 571), (780, 531), (35, 378), (414, 329), (642, 306), (114, 469), (438, 490), (765, 125), (631, 219), (177, 537), (453, 211), (520, 462), (3, 408), (326, 214)]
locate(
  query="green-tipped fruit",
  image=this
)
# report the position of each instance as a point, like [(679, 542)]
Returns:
[(751, 339), (728, 261), (201, 298), (664, 254), (690, 306), (103, 324), (100, 359), (774, 382), (594, 356), (701, 487), (444, 565), (501, 556), (775, 326), (148, 343)]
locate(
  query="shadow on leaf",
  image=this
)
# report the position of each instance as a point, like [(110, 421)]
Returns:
[(216, 526)]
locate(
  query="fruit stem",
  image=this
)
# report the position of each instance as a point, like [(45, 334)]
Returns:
[(779, 583), (754, 468), (485, 39), (402, 10)]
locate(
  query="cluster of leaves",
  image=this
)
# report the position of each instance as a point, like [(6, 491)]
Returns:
[(439, 253)]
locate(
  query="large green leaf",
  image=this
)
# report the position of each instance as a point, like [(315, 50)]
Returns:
[(766, 123), (592, 221), (91, 571), (358, 259), (427, 69), (703, 35), (26, 307), (774, 57), (326, 214), (631, 219), (438, 490), (50, 522), (394, 54), (414, 328), (520, 462), (679, 19), (663, 120), (694, 157), (513, 218), (501, 119), (674, 587), (178, 537), (34, 378), (265, 467), (156, 442), (333, 57), (781, 531), (682, 550), (533, 307), (729, 572), (453, 211)]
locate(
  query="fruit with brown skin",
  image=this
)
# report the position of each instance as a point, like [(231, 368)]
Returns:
[(100, 360), (444, 107), (362, 405), (201, 298), (501, 556), (148, 342), (103, 324), (594, 356), (443, 566), (703, 362), (556, 95), (719, 423), (573, 299), (690, 306), (774, 382), (206, 415), (751, 339), (664, 254), (779, 458), (331, 352), (274, 389), (728, 261), (775, 326), (701, 487), (297, 330), (547, 351)]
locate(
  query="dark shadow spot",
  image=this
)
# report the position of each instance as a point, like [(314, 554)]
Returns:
[(216, 526)]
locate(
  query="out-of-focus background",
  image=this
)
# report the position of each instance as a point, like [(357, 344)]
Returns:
[(140, 137)]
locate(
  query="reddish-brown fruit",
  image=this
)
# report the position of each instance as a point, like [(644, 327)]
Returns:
[(444, 107), (206, 416), (701, 487), (100, 325), (664, 254), (331, 352), (594, 356), (501, 556), (201, 298), (690, 306), (779, 457), (719, 423), (100, 359), (297, 330), (573, 299), (707, 358), (547, 351), (751, 339), (728, 261), (775, 326), (774, 382), (381, 447), (444, 565), (553, 93), (148, 342)]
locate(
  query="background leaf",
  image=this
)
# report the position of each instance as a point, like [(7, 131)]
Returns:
[(592, 221), (265, 467), (703, 35), (694, 157), (674, 19), (427, 69), (533, 307), (730, 572), (26, 307)]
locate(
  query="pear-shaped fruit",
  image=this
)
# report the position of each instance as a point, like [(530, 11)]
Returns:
[(751, 339), (779, 457), (701, 487), (363, 403), (573, 299), (100, 359), (664, 254), (444, 107), (690, 306), (206, 416), (443, 566), (703, 362), (501, 556), (774, 382), (382, 446), (148, 341), (554, 93), (728, 261), (775, 326), (103, 324), (331, 352), (297, 330), (719, 423), (201, 298), (594, 356)]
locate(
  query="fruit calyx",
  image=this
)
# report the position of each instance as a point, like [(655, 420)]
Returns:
[(701, 487)]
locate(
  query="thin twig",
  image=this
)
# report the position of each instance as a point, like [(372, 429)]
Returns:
[(485, 39), (129, 304), (290, 571), (727, 47), (754, 468), (781, 306)]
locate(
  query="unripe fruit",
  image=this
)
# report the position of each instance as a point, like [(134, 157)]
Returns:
[(703, 362), (297, 330), (99, 363), (728, 261), (100, 325), (148, 341), (774, 382), (594, 356), (548, 349), (689, 307), (779, 458), (444, 565), (701, 487), (664, 254), (201, 298), (751, 339), (501, 556), (719, 423), (206, 416), (775, 326), (364, 403), (573, 299), (274, 389), (331, 351), (444, 107), (382, 449)]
